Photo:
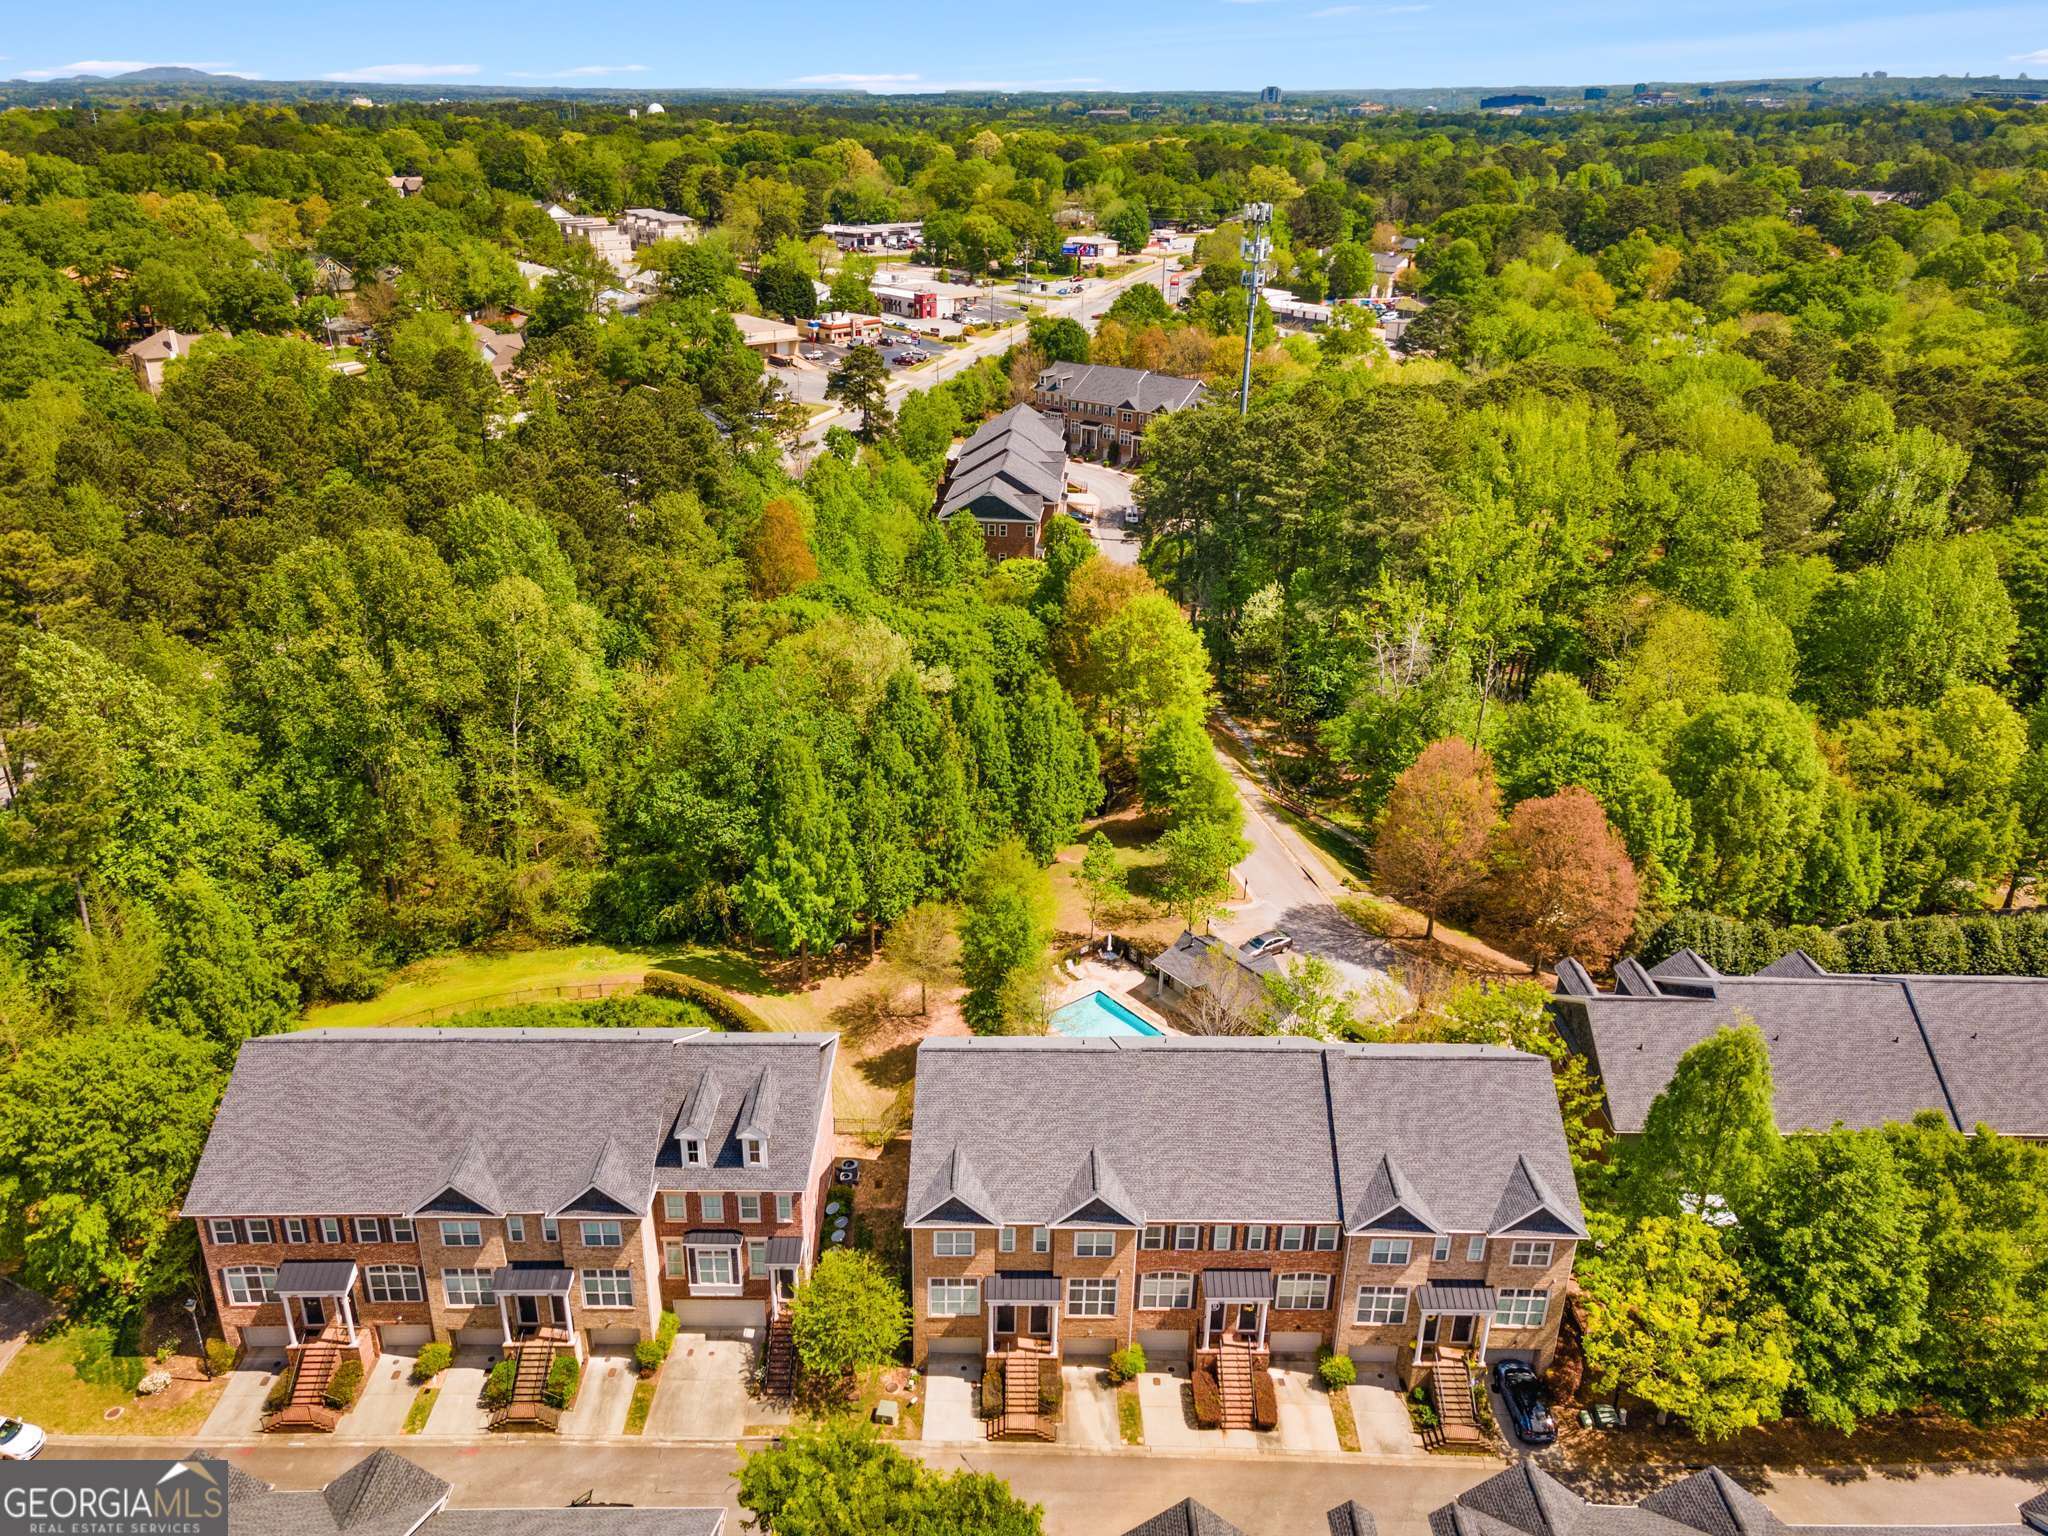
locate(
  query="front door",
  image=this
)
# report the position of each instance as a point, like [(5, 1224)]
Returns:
[(1430, 1324), (1461, 1328), (313, 1309), (1247, 1326), (526, 1311)]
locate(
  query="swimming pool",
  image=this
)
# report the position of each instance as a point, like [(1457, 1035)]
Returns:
[(1099, 1014)]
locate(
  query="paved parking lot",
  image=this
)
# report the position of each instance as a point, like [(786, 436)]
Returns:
[(951, 1415), (702, 1391)]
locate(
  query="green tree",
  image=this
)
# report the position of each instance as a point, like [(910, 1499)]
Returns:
[(1430, 846), (803, 893), (1005, 924), (921, 948), (841, 1479), (849, 1315), (1180, 776), (1757, 788), (100, 1132), (1104, 886), (218, 980), (1710, 1136), (1059, 339), (1670, 1319), (861, 383), (1056, 774), (1195, 861)]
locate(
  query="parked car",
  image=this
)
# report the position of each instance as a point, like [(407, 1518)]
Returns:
[(1271, 942), (1522, 1392), (1131, 517), (20, 1441), (814, 355)]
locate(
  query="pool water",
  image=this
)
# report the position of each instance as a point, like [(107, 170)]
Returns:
[(1098, 1014)]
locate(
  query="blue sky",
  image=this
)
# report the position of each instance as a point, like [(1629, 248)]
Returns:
[(919, 45)]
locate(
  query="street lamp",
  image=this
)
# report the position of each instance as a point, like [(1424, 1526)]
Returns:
[(192, 1311), (1256, 249)]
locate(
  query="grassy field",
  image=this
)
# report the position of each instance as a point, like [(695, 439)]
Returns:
[(43, 1386)]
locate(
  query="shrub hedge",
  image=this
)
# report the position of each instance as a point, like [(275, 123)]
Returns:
[(497, 1388), (565, 1374), (345, 1385), (1208, 1395), (1265, 1401), (280, 1391), (1126, 1364), (723, 1007), (432, 1360), (2015, 944), (650, 1354), (1337, 1371), (992, 1388), (1052, 1388), (220, 1357)]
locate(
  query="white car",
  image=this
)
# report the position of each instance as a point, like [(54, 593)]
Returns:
[(19, 1441)]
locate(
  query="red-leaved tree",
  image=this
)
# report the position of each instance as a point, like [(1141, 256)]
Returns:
[(1562, 882), (1431, 847)]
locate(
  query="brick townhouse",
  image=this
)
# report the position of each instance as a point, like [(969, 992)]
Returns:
[(377, 1189), (1407, 1205), (1105, 410)]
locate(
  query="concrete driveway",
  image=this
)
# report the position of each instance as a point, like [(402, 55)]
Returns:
[(1384, 1428), (239, 1412), (1306, 1423), (456, 1414), (951, 1414), (1112, 487), (1088, 1416), (702, 1391), (388, 1392), (602, 1400)]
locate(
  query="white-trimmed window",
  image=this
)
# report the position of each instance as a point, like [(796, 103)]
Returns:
[(462, 1234), (1441, 1253), (1090, 1298), (1534, 1254), (1254, 1239), (711, 1207), (1220, 1238), (953, 1243), (515, 1229), (401, 1229), (1041, 1239), (466, 1287), (223, 1229), (672, 1260), (753, 1152), (295, 1229), (1521, 1309), (713, 1268), (607, 1287), (1151, 1239), (785, 1208), (393, 1282), (1094, 1245), (952, 1298), (1382, 1304), (1389, 1250), (1006, 1240), (330, 1229), (550, 1231), (602, 1234), (1291, 1238), (249, 1285), (750, 1207), (1301, 1293), (693, 1153), (1326, 1239), (1166, 1291), (1187, 1237), (257, 1229), (369, 1230), (1475, 1248), (757, 1256), (675, 1208)]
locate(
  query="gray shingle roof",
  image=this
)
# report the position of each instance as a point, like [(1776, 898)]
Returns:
[(381, 1495), (1028, 1117), (1137, 389), (1859, 1049), (1352, 1518), (1015, 464), (1527, 1501), (1187, 1518), (380, 1121)]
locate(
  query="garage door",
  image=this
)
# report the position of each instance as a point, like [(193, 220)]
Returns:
[(265, 1338), (1374, 1354), (1162, 1344), (610, 1339), (954, 1344), (1087, 1349), (404, 1337), (491, 1338), (1296, 1343), (727, 1317)]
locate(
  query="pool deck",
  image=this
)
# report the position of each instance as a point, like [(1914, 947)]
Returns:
[(1114, 978)]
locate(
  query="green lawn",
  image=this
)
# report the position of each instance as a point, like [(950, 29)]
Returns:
[(43, 1386)]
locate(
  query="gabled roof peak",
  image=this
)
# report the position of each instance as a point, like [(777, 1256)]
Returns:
[(1098, 1195)]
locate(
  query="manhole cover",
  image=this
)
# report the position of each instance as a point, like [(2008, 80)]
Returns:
[(612, 1372), (112, 1414)]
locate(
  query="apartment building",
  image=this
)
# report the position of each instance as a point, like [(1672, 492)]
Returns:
[(645, 226), (1105, 410), (1009, 477), (905, 235), (378, 1189), (1412, 1205)]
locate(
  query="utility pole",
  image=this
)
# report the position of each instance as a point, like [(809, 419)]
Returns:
[(1257, 249)]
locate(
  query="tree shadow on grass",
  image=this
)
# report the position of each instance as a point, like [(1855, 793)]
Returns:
[(724, 968), (892, 1068)]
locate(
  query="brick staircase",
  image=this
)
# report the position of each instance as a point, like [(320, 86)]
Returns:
[(531, 1360), (1020, 1419), (1450, 1389), (307, 1408), (779, 1377), (1234, 1368)]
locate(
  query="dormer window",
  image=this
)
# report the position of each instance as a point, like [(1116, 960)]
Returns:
[(693, 1153), (754, 1151)]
